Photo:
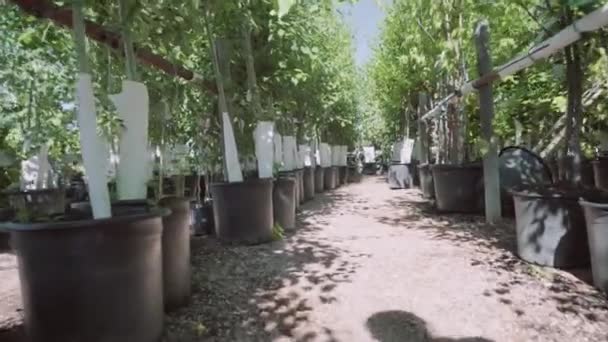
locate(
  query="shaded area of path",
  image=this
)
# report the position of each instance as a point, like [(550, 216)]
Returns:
[(372, 264)]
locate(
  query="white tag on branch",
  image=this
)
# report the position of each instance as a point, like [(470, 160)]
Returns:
[(132, 105), (289, 153), (92, 148), (231, 154), (264, 148)]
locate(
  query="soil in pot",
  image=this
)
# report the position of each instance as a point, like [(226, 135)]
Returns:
[(458, 188), (319, 179), (309, 183), (330, 179), (596, 217), (550, 227), (600, 173), (82, 210), (76, 285), (243, 211), (284, 202), (427, 185), (176, 252)]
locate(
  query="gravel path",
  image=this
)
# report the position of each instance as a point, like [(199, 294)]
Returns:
[(372, 264)]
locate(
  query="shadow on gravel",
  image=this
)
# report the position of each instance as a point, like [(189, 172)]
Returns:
[(398, 326), (260, 293), (496, 244)]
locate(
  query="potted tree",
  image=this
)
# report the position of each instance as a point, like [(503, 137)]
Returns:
[(95, 248), (243, 210)]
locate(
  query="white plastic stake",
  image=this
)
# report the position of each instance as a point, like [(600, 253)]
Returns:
[(132, 107), (264, 147), (233, 167), (278, 149), (289, 153), (92, 148)]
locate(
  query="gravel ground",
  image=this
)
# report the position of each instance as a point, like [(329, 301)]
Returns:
[(372, 264)]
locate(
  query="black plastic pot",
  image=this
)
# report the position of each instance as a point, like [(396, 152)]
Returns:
[(458, 188), (550, 227), (600, 173), (427, 186), (301, 195), (353, 175), (298, 177), (202, 218), (343, 175), (243, 211), (92, 280), (309, 183), (46, 202), (596, 217), (176, 252), (587, 170), (319, 179), (415, 176), (284, 202), (330, 179), (520, 167), (399, 176), (6, 214)]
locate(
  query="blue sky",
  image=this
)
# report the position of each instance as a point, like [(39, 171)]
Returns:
[(365, 18)]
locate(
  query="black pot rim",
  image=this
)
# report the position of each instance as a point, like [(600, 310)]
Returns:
[(83, 224), (591, 204), (248, 182), (450, 167), (285, 179)]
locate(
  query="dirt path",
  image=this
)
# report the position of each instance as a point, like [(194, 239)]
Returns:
[(371, 264)]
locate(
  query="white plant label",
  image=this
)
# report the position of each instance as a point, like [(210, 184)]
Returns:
[(92, 148), (344, 161), (407, 150), (289, 153), (325, 155), (132, 105), (264, 148), (369, 153), (231, 153), (305, 156), (278, 149), (335, 155)]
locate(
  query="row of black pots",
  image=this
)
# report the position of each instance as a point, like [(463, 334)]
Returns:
[(85, 279), (455, 188), (246, 212), (564, 229)]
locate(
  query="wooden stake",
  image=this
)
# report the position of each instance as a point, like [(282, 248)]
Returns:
[(486, 104)]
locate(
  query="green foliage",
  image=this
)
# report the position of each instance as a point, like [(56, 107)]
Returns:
[(278, 233), (302, 52), (428, 46)]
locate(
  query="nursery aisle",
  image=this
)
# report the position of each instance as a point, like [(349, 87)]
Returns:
[(368, 263), (372, 264)]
